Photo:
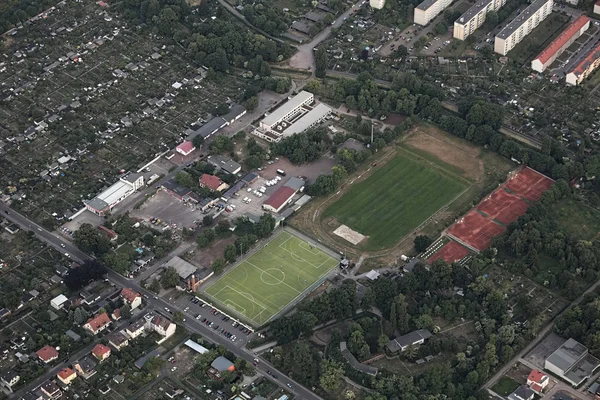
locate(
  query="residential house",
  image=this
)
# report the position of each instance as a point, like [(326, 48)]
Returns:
[(66, 376), (185, 148), (135, 329), (218, 366), (118, 340), (522, 393), (116, 314), (162, 326), (97, 324), (85, 367), (537, 380), (132, 298), (47, 354), (51, 390), (58, 302), (213, 183), (9, 379), (101, 352), (402, 343)]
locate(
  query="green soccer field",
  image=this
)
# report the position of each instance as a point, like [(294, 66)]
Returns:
[(271, 278), (398, 197)]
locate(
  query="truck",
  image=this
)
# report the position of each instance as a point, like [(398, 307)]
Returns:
[(281, 172)]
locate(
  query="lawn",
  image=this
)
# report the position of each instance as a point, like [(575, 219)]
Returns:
[(272, 278), (395, 199), (505, 386), (577, 218), (539, 38)]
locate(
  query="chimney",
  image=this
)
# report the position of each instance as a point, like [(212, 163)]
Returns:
[(189, 284), (194, 282)]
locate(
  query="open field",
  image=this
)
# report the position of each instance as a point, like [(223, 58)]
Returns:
[(578, 219), (273, 277), (397, 198)]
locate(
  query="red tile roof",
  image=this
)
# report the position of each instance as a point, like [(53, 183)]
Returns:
[(186, 147), (100, 350), (116, 314), (280, 196), (65, 373), (562, 39), (98, 322), (210, 181), (129, 294), (536, 376), (585, 63), (47, 353)]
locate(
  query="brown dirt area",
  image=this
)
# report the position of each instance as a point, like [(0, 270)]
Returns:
[(458, 156), (205, 257), (450, 150)]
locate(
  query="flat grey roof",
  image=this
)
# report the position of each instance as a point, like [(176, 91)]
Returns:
[(317, 113), (208, 128), (294, 183), (184, 268), (473, 11), (567, 355), (291, 104), (521, 18), (583, 369), (426, 4), (234, 111)]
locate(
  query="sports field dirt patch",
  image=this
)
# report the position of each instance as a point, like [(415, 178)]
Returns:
[(450, 150)]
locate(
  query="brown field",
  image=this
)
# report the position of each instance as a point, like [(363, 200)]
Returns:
[(478, 166)]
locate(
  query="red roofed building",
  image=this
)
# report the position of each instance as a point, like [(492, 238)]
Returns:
[(185, 148), (132, 298), (116, 314), (66, 376), (560, 44), (213, 183), (537, 380), (101, 352), (585, 67), (47, 354), (279, 199), (97, 324)]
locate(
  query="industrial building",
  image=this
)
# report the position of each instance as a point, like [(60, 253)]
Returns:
[(378, 4), (292, 117), (572, 362), (585, 67), (124, 187), (283, 196), (474, 17), (560, 44), (428, 10), (522, 26)]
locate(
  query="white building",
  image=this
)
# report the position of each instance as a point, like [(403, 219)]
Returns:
[(132, 298), (378, 4), (428, 10), (522, 26), (115, 194), (160, 325), (474, 17), (293, 117), (597, 7), (560, 44), (584, 68), (59, 301)]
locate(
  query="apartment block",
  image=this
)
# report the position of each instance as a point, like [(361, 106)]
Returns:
[(585, 67), (428, 10), (378, 4), (560, 44), (522, 26), (474, 17)]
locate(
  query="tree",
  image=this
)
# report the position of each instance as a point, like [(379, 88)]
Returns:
[(331, 374), (230, 253), (401, 51), (89, 271), (358, 346), (410, 352), (197, 141), (169, 278), (491, 19), (402, 316), (125, 311), (155, 286), (207, 220), (440, 28), (422, 242), (218, 266), (80, 316), (222, 109), (221, 144), (178, 317), (382, 340), (90, 240), (320, 62)]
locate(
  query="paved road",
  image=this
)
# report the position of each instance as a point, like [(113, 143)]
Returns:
[(305, 58), (156, 303)]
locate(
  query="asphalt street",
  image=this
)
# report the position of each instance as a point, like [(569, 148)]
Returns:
[(157, 303)]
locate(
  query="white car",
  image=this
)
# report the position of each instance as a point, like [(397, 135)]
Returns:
[(173, 369)]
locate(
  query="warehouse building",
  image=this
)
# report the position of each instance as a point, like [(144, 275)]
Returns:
[(115, 194), (522, 26), (585, 67), (572, 362), (560, 44), (284, 195), (293, 117), (428, 10), (474, 17)]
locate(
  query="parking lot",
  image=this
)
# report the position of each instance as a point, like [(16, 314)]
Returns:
[(544, 349), (168, 209)]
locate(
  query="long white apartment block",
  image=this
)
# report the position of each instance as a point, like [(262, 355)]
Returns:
[(474, 17), (522, 26), (428, 10)]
